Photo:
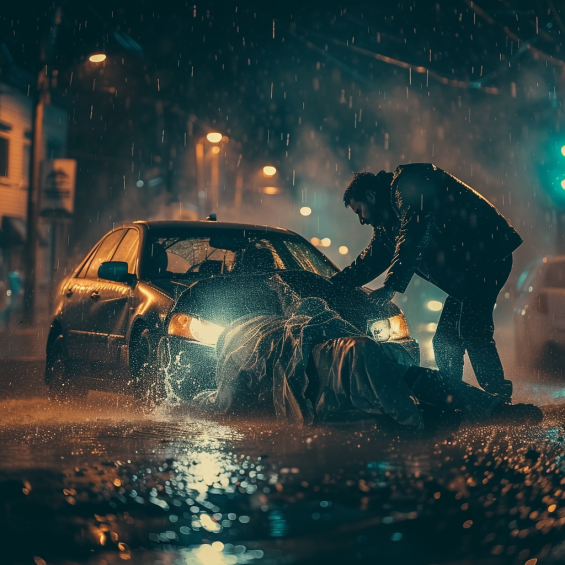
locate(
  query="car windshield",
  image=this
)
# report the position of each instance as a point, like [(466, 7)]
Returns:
[(182, 254)]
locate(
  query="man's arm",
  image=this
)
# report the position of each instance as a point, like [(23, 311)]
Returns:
[(371, 263), (416, 201)]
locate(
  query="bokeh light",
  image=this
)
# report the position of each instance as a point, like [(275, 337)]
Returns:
[(269, 170), (214, 137), (97, 58), (271, 190), (434, 305), (315, 241), (326, 242), (215, 149), (344, 250), (305, 210)]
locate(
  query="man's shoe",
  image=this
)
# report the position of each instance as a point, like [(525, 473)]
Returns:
[(517, 414)]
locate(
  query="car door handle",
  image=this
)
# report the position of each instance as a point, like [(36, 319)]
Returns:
[(95, 295), (68, 293)]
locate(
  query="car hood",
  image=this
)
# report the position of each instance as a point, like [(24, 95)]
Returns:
[(223, 299)]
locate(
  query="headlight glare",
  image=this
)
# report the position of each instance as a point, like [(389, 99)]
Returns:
[(202, 331)]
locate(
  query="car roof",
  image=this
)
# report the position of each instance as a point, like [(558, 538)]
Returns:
[(213, 226)]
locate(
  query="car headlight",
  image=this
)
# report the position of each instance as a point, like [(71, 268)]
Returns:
[(389, 329), (202, 331)]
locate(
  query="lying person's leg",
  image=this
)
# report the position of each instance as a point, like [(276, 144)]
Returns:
[(475, 405)]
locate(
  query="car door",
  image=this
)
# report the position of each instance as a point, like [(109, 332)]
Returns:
[(116, 299), (86, 339), (73, 306)]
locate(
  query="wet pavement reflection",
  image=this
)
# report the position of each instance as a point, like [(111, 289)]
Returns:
[(104, 483)]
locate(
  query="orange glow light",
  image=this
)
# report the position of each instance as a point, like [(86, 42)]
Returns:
[(97, 58)]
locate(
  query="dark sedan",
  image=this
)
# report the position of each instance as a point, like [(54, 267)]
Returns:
[(142, 313)]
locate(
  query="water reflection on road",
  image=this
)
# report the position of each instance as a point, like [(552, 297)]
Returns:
[(106, 483)]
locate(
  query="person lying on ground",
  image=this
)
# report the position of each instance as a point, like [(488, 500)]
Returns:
[(310, 365)]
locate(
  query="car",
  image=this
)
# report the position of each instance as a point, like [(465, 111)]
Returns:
[(143, 311), (539, 314)]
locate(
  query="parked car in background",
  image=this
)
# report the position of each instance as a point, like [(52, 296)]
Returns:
[(539, 315), (152, 299)]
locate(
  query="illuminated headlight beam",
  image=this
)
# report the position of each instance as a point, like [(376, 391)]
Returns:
[(202, 331)]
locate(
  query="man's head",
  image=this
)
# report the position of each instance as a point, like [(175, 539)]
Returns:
[(368, 195)]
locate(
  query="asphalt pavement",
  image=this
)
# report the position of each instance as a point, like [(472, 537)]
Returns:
[(103, 483)]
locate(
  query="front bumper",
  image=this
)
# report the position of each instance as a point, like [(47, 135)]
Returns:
[(190, 367)]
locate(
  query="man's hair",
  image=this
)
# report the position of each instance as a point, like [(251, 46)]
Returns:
[(361, 182)]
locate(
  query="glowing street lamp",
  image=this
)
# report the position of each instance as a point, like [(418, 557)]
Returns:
[(305, 210), (269, 171), (97, 57), (214, 137)]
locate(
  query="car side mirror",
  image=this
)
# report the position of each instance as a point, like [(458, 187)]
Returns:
[(116, 271)]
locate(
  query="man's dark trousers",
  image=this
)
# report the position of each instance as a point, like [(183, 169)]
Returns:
[(467, 325)]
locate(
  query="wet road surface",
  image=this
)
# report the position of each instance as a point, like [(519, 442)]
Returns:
[(104, 483)]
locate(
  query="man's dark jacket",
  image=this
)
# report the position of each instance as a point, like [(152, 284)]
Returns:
[(444, 231)]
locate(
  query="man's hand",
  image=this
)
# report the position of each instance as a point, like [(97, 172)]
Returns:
[(382, 295)]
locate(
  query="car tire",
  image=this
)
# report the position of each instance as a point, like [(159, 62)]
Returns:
[(62, 383), (148, 386)]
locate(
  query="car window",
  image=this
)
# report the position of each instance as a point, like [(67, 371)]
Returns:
[(308, 259), (555, 277), (82, 273), (103, 253), (177, 254), (127, 250)]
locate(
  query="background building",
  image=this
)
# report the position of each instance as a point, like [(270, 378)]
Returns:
[(15, 144)]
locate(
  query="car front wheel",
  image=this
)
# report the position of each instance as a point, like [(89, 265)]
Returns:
[(63, 384)]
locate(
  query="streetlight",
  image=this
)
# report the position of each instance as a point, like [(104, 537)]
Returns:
[(214, 137), (305, 210), (269, 171), (97, 57)]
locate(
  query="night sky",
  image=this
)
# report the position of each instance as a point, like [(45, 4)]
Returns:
[(317, 89)]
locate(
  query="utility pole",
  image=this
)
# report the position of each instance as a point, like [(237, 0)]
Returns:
[(40, 100)]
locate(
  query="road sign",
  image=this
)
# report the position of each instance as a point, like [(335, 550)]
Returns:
[(57, 188)]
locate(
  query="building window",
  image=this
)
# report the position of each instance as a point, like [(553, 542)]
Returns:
[(4, 146)]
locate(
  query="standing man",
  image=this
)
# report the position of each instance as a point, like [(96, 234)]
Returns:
[(429, 222)]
